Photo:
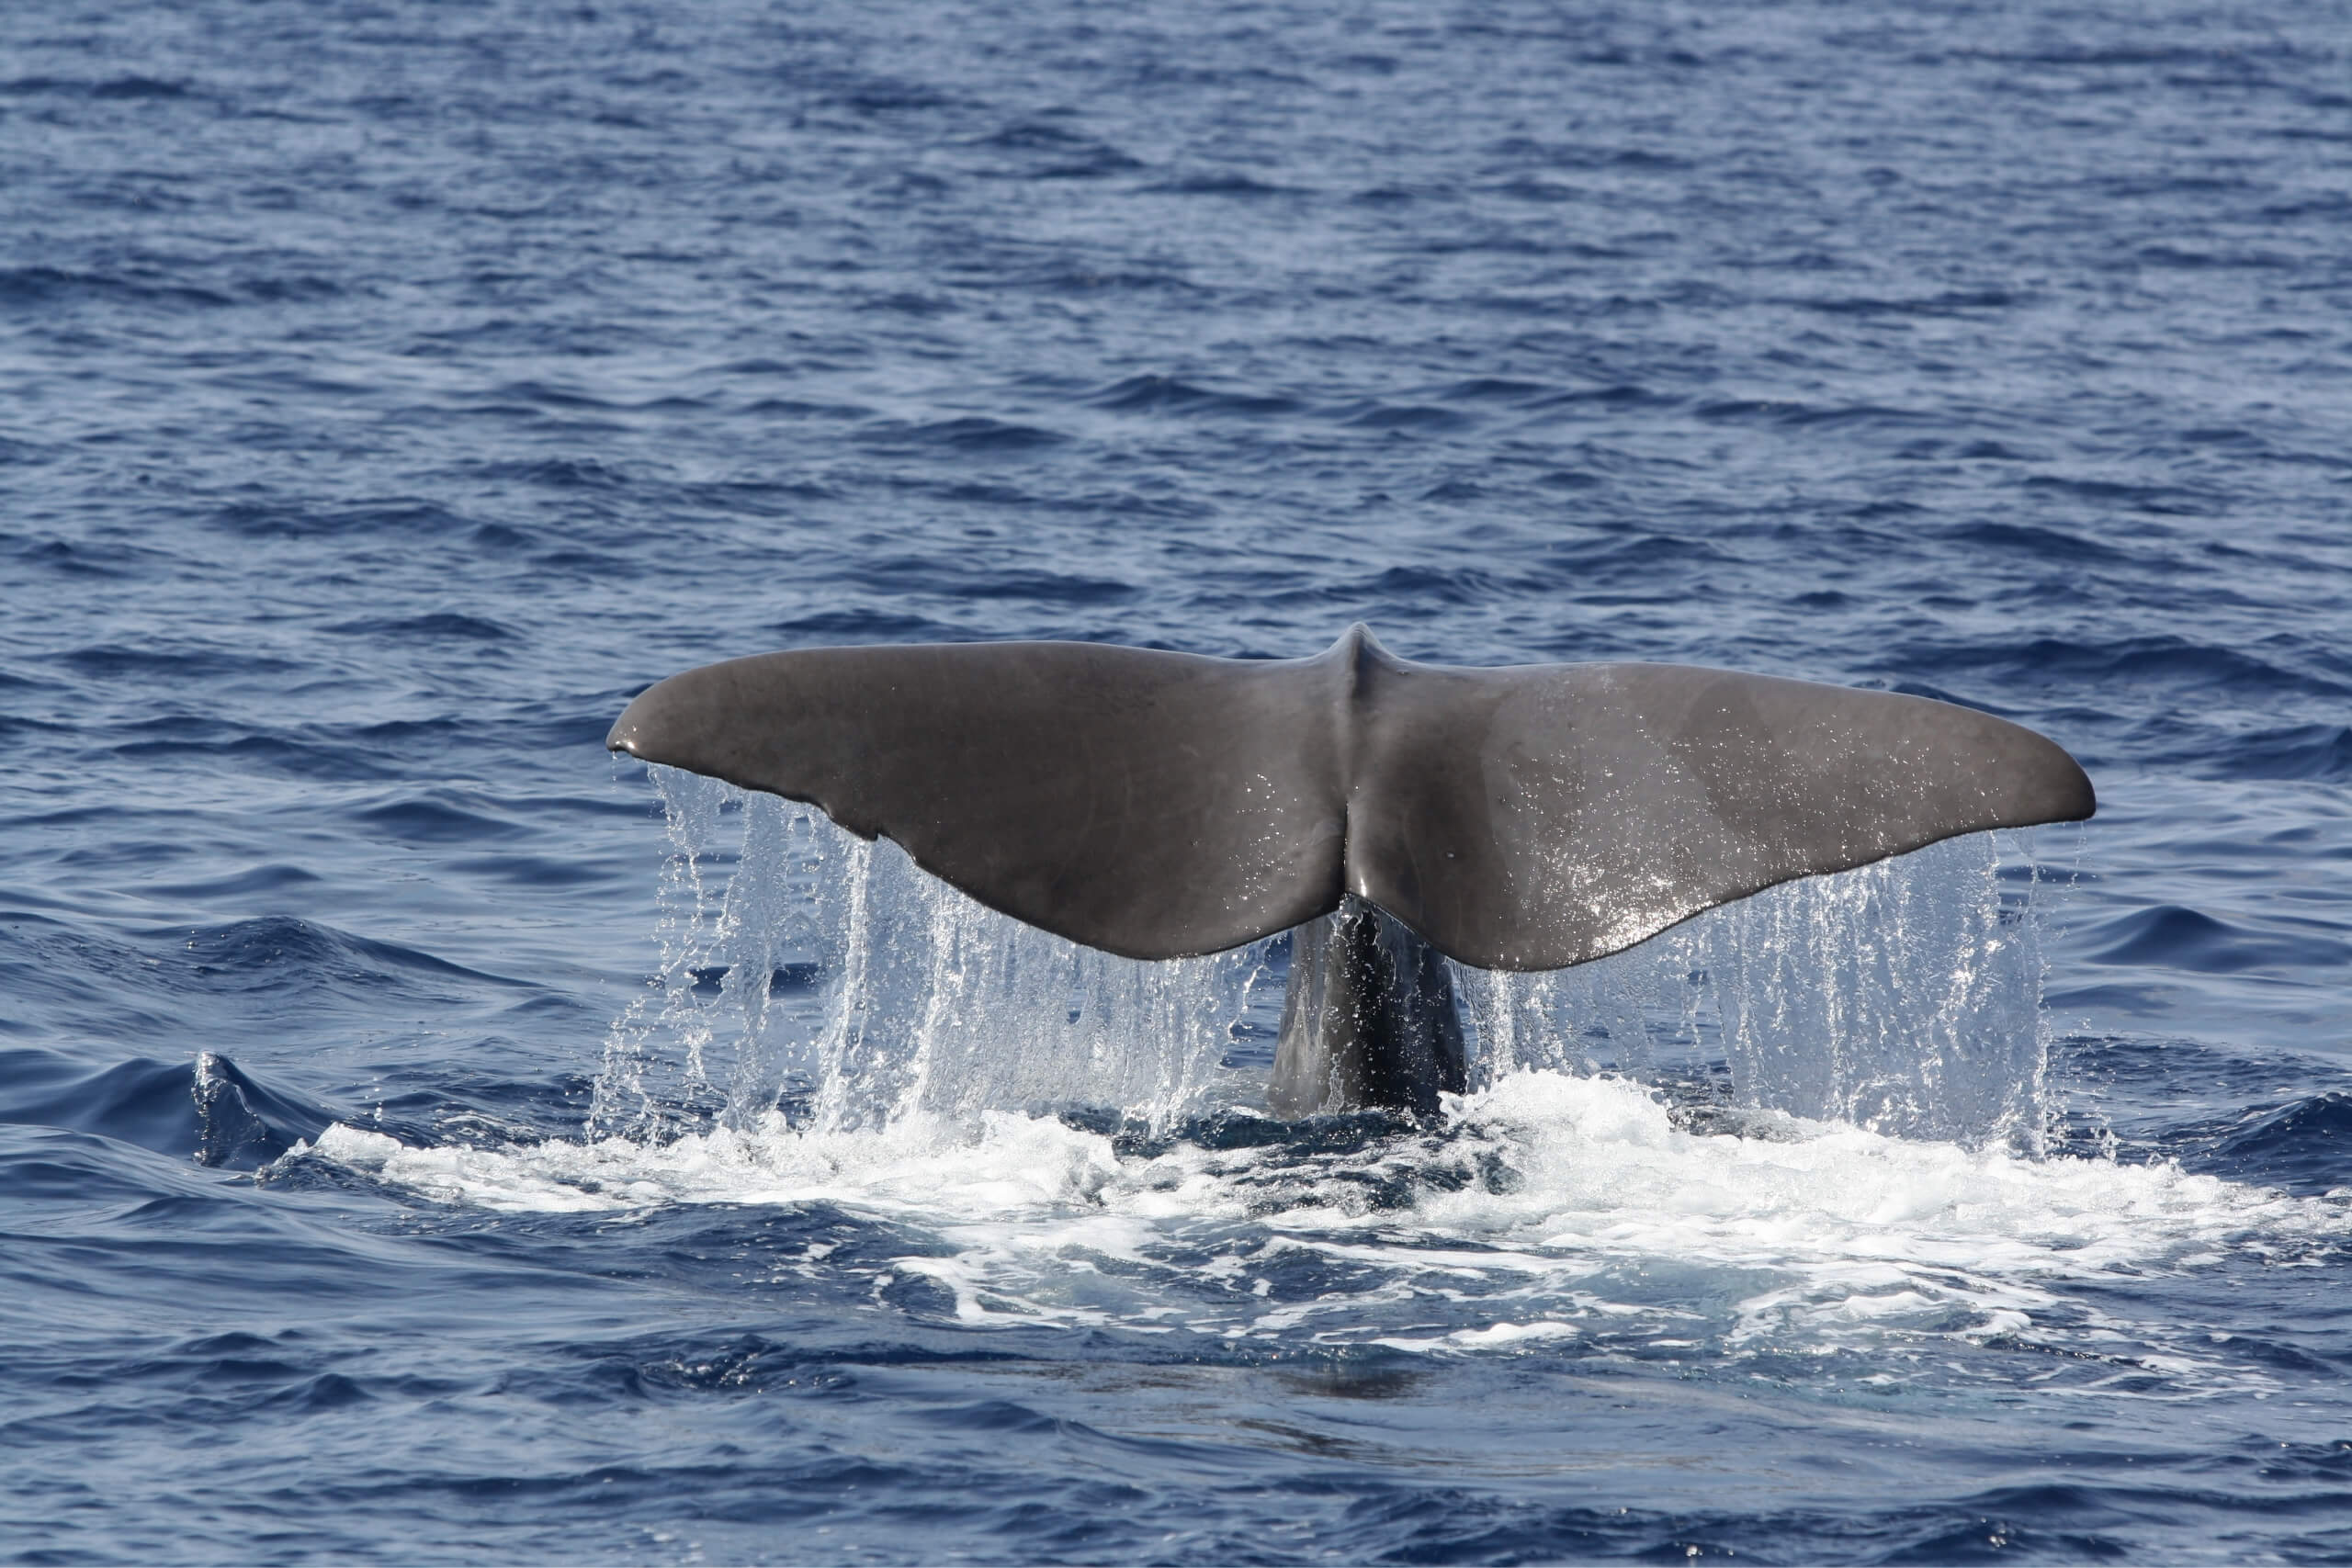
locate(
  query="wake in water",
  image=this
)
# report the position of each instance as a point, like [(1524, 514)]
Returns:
[(1805, 1124)]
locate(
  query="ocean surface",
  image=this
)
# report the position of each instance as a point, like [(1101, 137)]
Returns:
[(426, 1139)]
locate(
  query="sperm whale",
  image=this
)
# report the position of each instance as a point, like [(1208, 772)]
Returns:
[(1161, 805)]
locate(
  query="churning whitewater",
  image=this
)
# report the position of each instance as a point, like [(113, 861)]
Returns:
[(1053, 1136), (1548, 1206)]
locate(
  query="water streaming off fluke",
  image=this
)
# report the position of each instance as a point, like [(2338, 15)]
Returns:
[(804, 969)]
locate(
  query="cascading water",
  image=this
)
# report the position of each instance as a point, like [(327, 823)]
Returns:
[(829, 976), (807, 971), (834, 1034), (1903, 997)]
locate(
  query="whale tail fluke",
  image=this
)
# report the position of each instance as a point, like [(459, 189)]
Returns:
[(1160, 805)]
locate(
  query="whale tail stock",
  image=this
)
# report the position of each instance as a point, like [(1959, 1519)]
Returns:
[(1160, 805)]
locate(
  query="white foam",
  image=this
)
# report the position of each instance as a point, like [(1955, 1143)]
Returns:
[(1551, 1211)]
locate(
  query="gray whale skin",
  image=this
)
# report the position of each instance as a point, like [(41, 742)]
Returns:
[(1160, 805)]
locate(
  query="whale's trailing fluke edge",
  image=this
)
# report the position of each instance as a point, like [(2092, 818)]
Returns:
[(1160, 805)]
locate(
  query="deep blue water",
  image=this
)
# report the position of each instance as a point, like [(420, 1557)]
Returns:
[(388, 391)]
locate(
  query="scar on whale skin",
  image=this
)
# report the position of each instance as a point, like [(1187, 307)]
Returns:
[(1160, 805)]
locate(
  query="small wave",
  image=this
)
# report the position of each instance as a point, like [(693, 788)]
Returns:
[(137, 87), (2172, 937), (864, 624), (112, 661), (2164, 500), (903, 575), (1950, 302), (436, 822), (1810, 416), (209, 1109), (536, 871), (1496, 389), (293, 519), (501, 537), (74, 557), (1616, 398), (1062, 153), (1031, 136), (561, 473), (1166, 394), (2333, 205), (547, 395), (11, 682), (2305, 1149), (2172, 256), (282, 953), (982, 491), (1227, 184), (109, 87), (2100, 55), (49, 285), (909, 302), (259, 879), (407, 732), (328, 757), (1529, 188), (2039, 542), (1403, 585), (2162, 660), (1641, 557), (1410, 416), (1062, 276), (796, 408), (276, 290), (441, 627), (1051, 588), (971, 434), (1915, 688), (1572, 154), (2298, 752)]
